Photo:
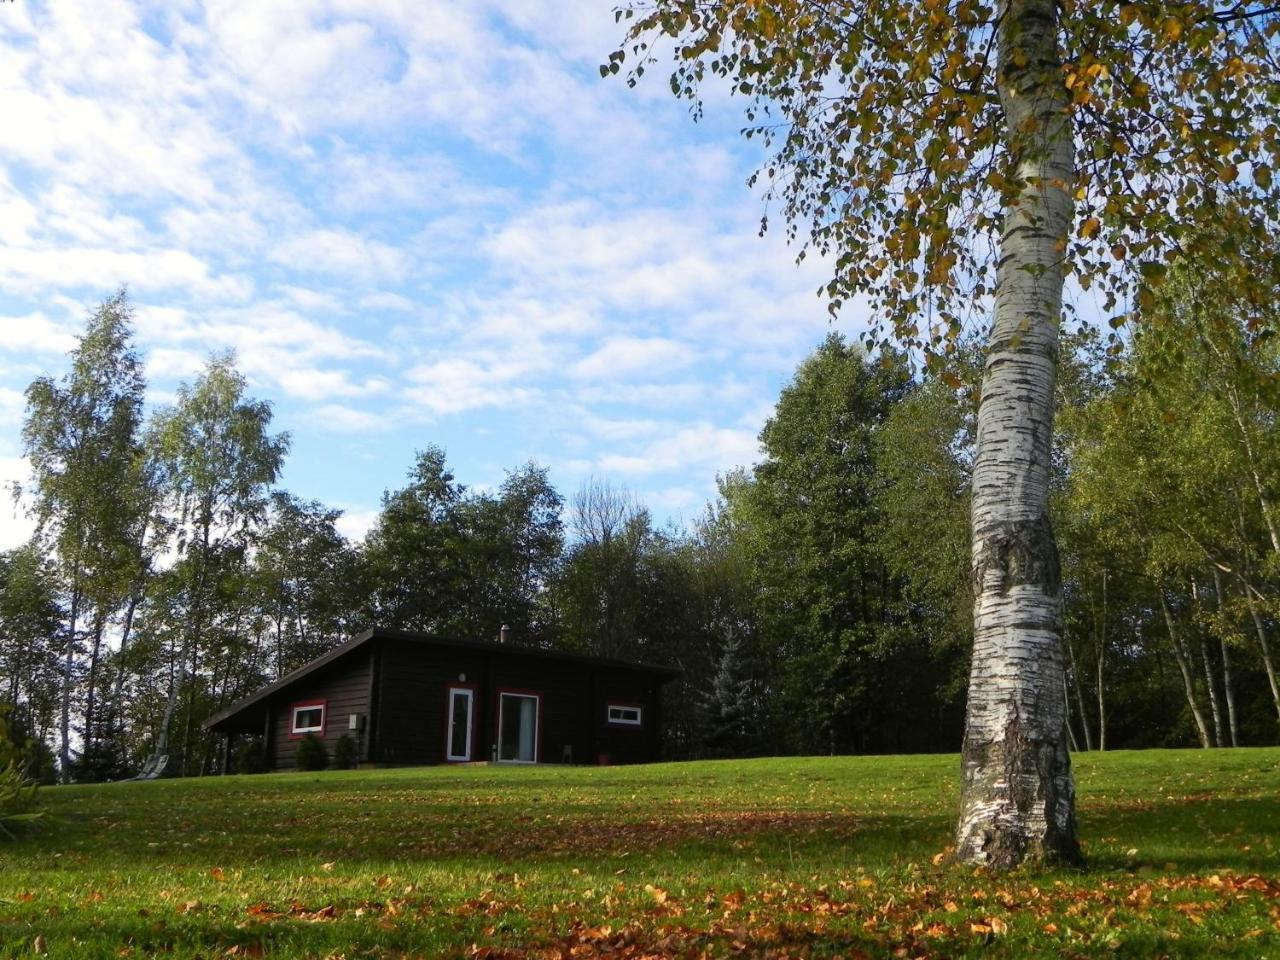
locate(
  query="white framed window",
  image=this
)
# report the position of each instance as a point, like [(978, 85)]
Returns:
[(627, 714), (518, 719), (308, 718)]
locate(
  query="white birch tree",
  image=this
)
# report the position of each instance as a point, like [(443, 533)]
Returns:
[(954, 157), (81, 436)]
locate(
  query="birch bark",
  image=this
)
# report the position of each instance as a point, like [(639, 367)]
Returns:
[(1018, 799), (1184, 666)]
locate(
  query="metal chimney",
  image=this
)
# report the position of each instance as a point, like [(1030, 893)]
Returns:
[(504, 634)]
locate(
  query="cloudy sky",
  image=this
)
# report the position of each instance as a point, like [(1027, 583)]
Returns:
[(415, 222)]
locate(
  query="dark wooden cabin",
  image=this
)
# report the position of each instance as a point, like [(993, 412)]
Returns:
[(410, 698)]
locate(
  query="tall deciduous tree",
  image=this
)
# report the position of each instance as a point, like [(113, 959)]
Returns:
[(81, 436), (305, 580), (218, 460), (941, 151), (30, 671), (412, 554)]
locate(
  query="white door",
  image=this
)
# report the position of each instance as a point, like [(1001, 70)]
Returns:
[(461, 703)]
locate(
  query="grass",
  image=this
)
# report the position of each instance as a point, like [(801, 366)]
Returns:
[(813, 857)]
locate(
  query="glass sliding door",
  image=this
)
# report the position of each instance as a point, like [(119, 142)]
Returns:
[(461, 711), (518, 727)]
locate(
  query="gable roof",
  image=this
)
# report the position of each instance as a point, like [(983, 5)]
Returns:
[(221, 718)]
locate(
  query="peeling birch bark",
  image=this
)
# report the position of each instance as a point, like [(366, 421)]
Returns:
[(1018, 799)]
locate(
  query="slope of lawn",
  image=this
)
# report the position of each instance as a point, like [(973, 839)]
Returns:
[(812, 857)]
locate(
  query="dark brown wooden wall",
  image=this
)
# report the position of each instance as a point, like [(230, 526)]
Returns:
[(409, 724), (344, 686), (410, 703), (624, 744)]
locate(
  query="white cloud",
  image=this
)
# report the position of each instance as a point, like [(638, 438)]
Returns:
[(35, 333), (15, 526), (314, 384), (355, 522), (12, 407), (456, 385), (702, 445), (387, 301), (624, 357), (335, 416), (33, 269), (340, 251)]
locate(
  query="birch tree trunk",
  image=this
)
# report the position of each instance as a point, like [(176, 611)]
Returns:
[(1018, 798), (1228, 685), (1184, 665), (1102, 652), (1263, 645), (68, 680), (1211, 685), (1215, 710), (1074, 669)]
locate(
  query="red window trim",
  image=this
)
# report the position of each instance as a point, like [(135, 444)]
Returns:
[(497, 721), (475, 706), (623, 723), (304, 705)]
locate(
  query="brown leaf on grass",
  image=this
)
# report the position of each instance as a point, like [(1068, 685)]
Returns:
[(189, 906), (659, 895), (38, 945), (216, 873)]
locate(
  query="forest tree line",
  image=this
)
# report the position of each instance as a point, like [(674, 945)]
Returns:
[(821, 603)]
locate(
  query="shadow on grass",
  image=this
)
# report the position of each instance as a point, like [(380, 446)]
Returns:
[(527, 822)]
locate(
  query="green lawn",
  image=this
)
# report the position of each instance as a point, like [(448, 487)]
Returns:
[(794, 857)]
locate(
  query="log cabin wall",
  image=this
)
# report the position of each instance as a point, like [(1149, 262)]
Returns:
[(343, 688), (410, 720), (398, 684)]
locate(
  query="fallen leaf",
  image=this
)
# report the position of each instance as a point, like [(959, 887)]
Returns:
[(38, 945)]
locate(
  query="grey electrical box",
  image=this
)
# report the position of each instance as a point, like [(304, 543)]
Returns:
[(355, 722)]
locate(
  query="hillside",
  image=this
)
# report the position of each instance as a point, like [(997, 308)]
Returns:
[(788, 857)]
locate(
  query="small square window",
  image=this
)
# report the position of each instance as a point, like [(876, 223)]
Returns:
[(308, 718), (624, 714)]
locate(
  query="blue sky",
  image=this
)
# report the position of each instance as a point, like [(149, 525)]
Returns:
[(415, 222)]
